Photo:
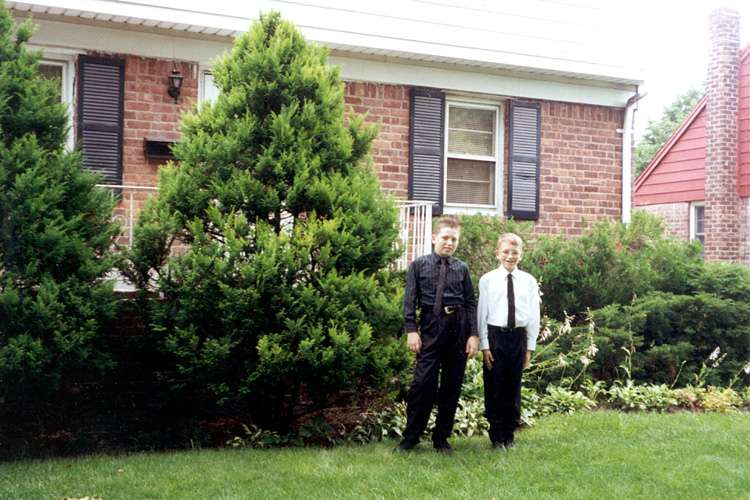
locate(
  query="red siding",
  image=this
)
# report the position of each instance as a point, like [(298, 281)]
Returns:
[(743, 159), (678, 172)]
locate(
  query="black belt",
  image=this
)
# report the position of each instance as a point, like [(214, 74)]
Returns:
[(505, 329), (449, 309)]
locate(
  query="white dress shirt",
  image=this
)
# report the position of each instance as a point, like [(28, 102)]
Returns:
[(493, 304)]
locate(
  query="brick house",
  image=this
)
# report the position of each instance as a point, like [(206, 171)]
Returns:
[(509, 110), (700, 180)]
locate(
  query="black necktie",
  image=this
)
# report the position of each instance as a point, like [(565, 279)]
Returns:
[(511, 303), (441, 284)]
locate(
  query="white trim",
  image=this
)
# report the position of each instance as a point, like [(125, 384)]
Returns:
[(499, 109), (66, 62), (81, 38), (452, 79), (206, 90), (565, 38), (693, 219)]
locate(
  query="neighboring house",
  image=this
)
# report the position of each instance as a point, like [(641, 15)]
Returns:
[(700, 180), (515, 109)]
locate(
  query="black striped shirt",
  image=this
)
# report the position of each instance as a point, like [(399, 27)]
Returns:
[(421, 285)]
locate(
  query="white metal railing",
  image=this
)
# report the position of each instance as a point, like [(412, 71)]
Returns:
[(415, 221), (415, 218), (127, 204)]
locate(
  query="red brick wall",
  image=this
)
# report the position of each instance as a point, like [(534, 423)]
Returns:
[(723, 208), (581, 148), (149, 112), (676, 216), (388, 105), (581, 170)]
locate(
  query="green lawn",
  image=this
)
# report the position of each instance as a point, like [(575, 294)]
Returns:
[(597, 455)]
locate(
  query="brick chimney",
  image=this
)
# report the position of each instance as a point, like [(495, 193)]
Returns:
[(723, 205)]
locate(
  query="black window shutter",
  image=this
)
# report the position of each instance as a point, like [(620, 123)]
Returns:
[(101, 91), (525, 155), (426, 151)]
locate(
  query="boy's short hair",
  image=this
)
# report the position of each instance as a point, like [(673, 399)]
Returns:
[(510, 238), (447, 221)]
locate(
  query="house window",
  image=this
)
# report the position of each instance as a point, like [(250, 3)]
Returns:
[(698, 223), (61, 69), (456, 151), (101, 91), (471, 165), (51, 72), (209, 91)]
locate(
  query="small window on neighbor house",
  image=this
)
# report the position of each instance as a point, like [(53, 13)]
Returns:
[(698, 229), (471, 166)]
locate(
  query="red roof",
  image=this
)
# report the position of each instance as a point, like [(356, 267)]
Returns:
[(678, 172)]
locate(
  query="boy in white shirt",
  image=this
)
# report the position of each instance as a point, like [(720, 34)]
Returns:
[(508, 322)]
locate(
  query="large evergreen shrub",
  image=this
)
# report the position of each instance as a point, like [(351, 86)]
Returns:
[(669, 338), (56, 236), (610, 264), (282, 294)]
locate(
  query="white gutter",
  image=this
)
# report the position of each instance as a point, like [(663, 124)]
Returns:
[(627, 156)]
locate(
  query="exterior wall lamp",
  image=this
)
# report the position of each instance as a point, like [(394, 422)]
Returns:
[(175, 84)]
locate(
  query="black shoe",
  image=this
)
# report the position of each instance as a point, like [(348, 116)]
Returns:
[(443, 447), (402, 447), (498, 446)]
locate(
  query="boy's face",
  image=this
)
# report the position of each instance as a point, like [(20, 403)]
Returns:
[(446, 241), (510, 254)]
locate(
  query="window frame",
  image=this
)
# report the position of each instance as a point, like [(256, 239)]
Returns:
[(694, 221), (207, 81), (67, 88), (499, 148)]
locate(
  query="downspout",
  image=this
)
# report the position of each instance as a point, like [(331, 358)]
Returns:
[(627, 156)]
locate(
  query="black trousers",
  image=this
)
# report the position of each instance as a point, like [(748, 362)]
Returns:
[(441, 362), (502, 384)]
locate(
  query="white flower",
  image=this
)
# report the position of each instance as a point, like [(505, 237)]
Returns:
[(585, 361), (565, 329), (561, 360), (715, 354), (747, 368), (545, 334), (592, 350)]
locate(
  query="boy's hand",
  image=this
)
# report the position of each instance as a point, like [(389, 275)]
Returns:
[(488, 358), (414, 342), (472, 346), (526, 361)]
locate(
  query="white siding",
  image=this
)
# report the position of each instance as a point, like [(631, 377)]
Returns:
[(589, 39)]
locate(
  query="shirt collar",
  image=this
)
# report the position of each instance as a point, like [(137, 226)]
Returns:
[(436, 259)]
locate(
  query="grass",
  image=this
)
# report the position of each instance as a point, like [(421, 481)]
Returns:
[(588, 455)]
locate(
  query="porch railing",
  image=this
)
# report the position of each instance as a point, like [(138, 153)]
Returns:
[(130, 204), (415, 219)]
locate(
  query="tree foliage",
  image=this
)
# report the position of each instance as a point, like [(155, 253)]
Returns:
[(281, 290), (55, 235), (659, 132)]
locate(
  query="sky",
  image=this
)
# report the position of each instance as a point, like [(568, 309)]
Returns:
[(676, 33)]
